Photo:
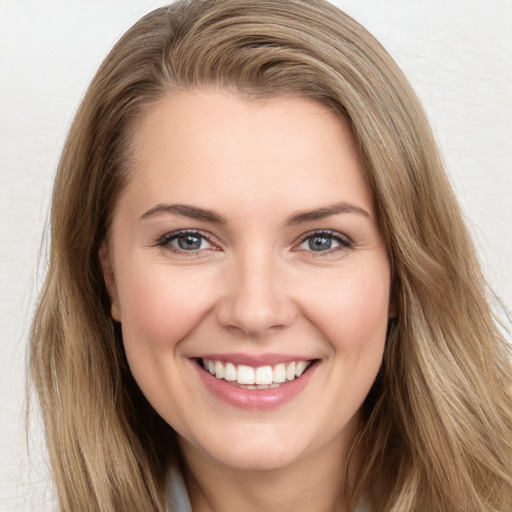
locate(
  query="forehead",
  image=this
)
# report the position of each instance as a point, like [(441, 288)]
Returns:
[(216, 144)]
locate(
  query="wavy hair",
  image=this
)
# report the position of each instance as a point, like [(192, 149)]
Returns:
[(438, 421)]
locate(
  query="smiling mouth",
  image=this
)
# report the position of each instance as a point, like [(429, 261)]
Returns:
[(261, 377)]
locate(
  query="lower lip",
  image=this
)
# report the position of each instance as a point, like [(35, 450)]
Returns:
[(255, 399)]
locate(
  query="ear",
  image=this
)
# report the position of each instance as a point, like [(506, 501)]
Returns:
[(110, 280)]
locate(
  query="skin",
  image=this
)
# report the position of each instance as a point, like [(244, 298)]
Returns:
[(254, 287)]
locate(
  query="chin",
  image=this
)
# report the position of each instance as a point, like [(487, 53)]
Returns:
[(257, 449), (260, 459)]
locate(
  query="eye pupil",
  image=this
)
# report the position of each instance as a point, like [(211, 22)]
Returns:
[(320, 243), (189, 242)]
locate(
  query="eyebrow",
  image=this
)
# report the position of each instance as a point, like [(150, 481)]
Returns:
[(327, 211), (185, 210), (193, 212)]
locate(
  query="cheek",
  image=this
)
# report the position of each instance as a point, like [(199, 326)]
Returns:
[(353, 312), (160, 307)]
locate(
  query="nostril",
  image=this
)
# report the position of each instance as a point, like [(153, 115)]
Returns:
[(253, 320), (256, 300)]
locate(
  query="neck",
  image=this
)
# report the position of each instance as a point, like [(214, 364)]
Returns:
[(313, 483)]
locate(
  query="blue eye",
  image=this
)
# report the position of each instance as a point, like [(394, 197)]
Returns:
[(187, 241), (319, 243), (324, 241)]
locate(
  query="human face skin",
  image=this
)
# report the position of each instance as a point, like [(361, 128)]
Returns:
[(247, 286)]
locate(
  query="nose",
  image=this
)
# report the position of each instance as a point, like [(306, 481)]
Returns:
[(257, 300)]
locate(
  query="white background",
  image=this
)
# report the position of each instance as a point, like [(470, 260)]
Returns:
[(457, 54)]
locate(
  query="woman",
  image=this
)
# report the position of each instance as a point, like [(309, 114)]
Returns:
[(261, 293)]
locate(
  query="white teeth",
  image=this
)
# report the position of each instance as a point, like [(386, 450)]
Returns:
[(290, 371), (230, 372), (279, 373), (262, 377), (299, 368), (219, 370), (244, 374)]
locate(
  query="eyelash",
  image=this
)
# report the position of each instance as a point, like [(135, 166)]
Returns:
[(344, 242), (166, 240)]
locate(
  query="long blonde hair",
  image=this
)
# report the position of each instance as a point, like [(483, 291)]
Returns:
[(438, 420)]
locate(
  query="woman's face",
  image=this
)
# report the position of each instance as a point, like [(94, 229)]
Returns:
[(246, 242)]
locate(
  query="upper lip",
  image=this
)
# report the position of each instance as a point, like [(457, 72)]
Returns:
[(255, 360)]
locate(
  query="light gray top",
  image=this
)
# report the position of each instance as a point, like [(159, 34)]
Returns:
[(178, 491), (181, 502)]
